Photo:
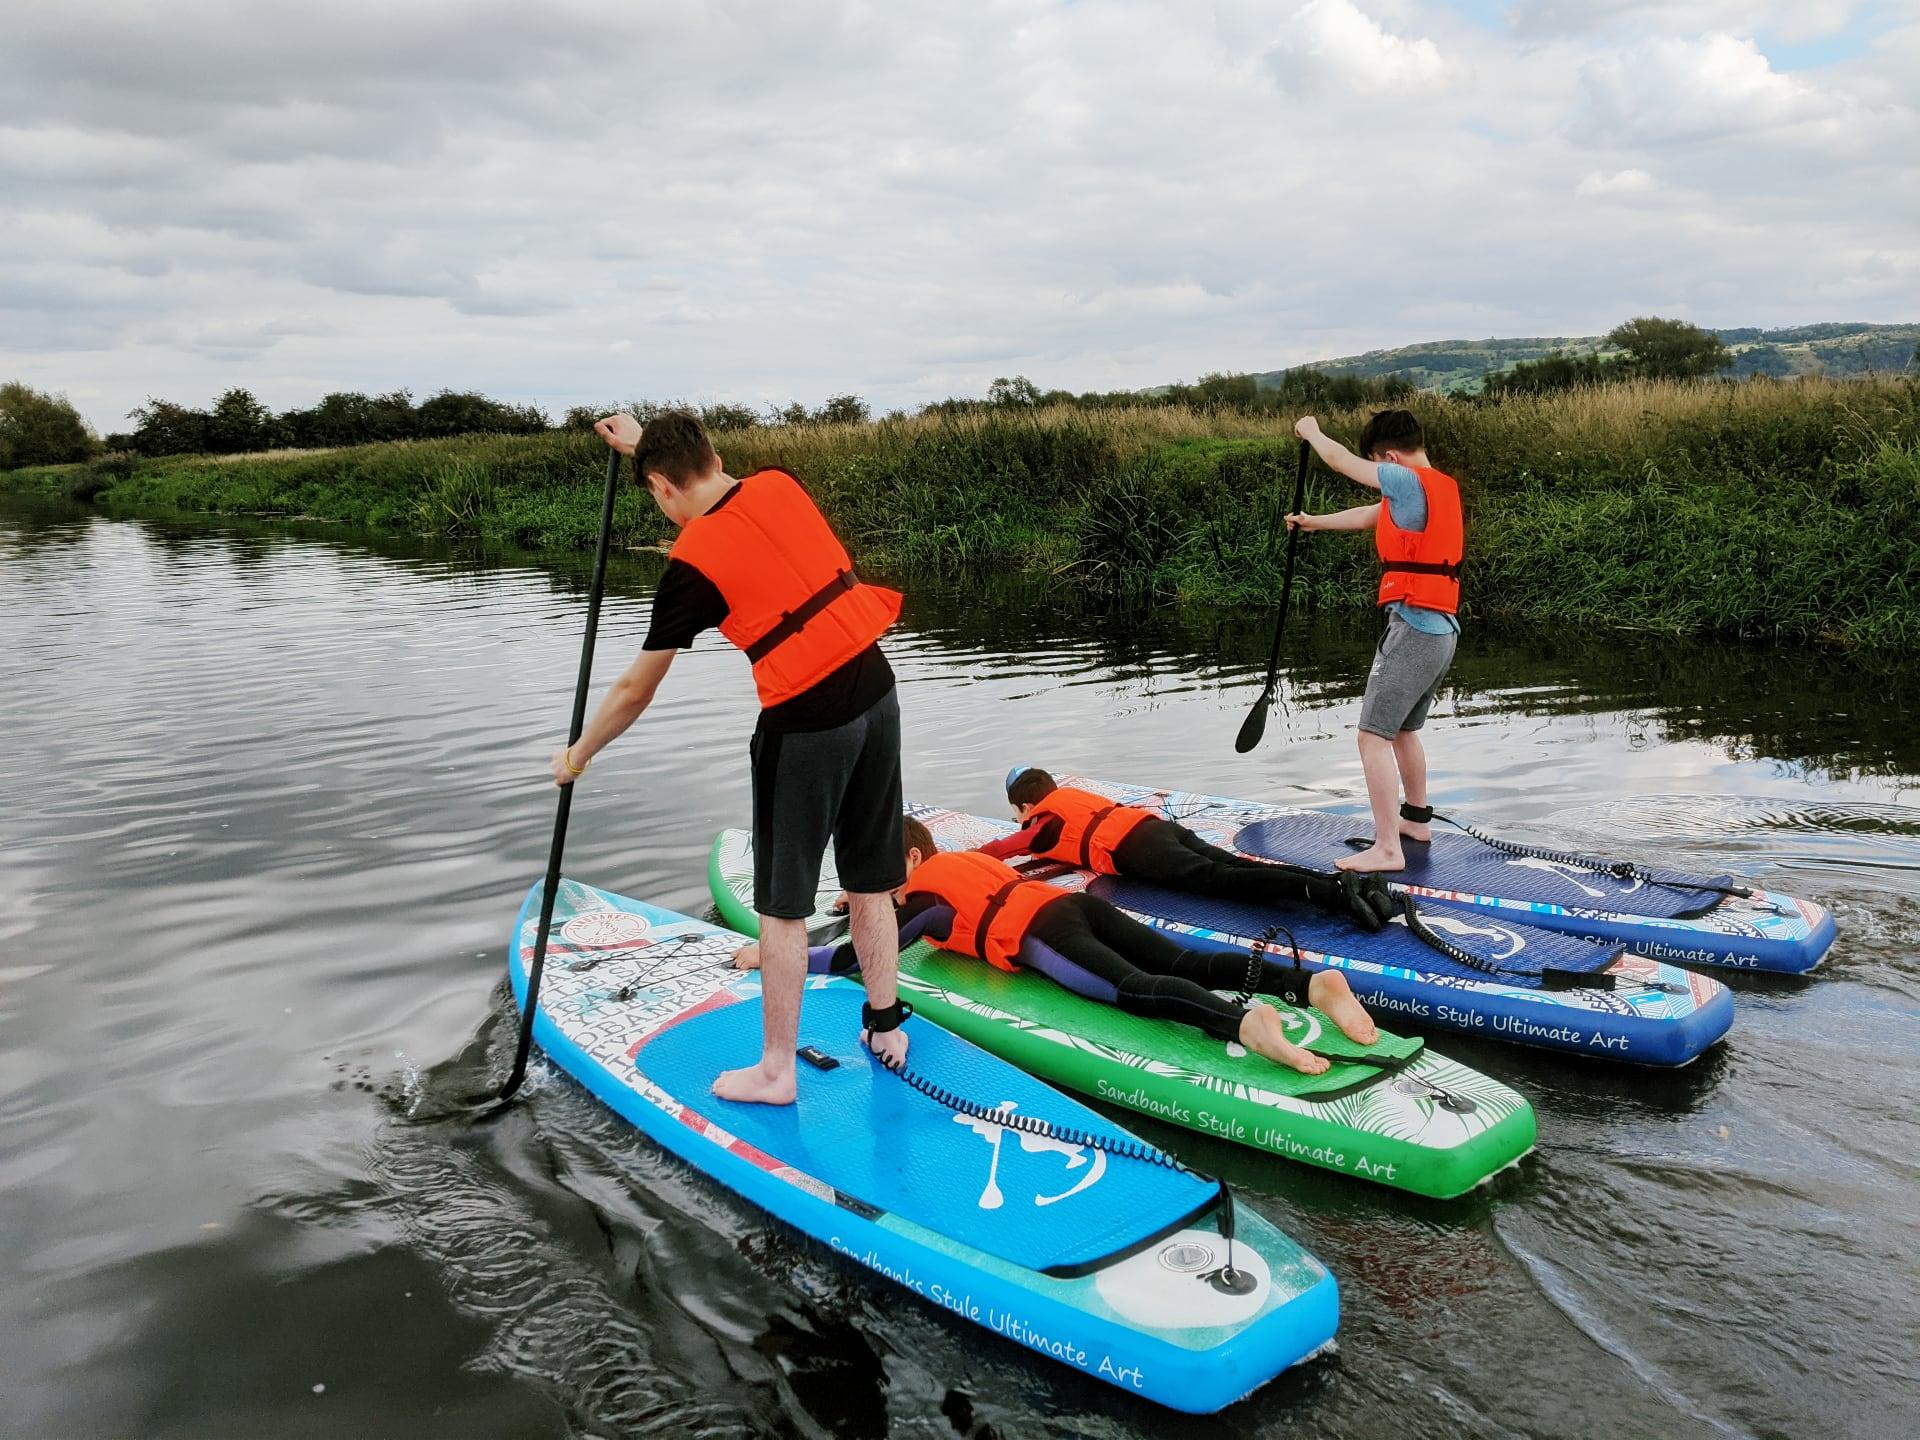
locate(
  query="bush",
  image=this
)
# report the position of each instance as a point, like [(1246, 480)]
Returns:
[(37, 428)]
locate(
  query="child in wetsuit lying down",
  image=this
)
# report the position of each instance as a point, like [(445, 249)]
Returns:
[(975, 905), (1078, 827)]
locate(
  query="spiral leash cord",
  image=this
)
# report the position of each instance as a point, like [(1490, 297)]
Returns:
[(1127, 1147), (1456, 953), (1618, 869), (1257, 966)]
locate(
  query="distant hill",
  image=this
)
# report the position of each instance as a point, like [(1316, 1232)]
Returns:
[(1460, 365)]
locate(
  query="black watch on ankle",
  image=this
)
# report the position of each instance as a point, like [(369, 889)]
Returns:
[(879, 1022)]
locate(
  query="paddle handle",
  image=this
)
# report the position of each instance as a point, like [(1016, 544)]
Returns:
[(582, 684)]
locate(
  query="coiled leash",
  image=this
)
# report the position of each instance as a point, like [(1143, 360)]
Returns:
[(1551, 977), (1302, 977), (1624, 870), (1228, 1279)]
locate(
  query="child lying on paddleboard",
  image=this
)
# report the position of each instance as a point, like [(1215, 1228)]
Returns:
[(973, 904), (1078, 827)]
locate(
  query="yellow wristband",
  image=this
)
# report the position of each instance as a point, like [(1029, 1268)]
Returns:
[(573, 769)]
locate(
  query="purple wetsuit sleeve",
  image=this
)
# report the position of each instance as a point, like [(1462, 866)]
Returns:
[(1038, 955), (921, 917), (831, 959)]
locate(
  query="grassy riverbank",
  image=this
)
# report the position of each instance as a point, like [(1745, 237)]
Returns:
[(1757, 509)]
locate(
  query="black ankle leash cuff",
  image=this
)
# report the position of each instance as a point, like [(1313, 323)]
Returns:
[(879, 1022)]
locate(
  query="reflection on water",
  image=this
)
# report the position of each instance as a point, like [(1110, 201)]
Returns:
[(271, 795)]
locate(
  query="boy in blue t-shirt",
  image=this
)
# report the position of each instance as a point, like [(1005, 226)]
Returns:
[(1418, 531)]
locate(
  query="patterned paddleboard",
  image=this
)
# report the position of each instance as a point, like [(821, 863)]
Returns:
[(1423, 1123), (1661, 914), (1653, 1014), (1061, 1241)]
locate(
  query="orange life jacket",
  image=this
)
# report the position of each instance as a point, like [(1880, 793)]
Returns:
[(1091, 827), (992, 903), (792, 602), (1423, 566)]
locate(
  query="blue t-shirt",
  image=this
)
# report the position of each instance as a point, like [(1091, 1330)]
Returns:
[(1406, 501)]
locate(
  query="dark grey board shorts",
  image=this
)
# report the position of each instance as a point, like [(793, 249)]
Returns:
[(813, 786), (1407, 669)]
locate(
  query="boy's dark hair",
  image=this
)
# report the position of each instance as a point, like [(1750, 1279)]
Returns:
[(675, 444), (1030, 787), (1391, 430), (920, 838)]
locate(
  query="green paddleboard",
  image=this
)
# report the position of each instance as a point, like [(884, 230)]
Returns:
[(1428, 1125)]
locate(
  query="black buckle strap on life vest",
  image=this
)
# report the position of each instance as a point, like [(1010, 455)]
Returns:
[(1448, 568), (1086, 835), (791, 622), (995, 904)]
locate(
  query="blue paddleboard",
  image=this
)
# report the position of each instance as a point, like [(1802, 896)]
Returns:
[(1061, 1241), (1662, 914), (1523, 985)]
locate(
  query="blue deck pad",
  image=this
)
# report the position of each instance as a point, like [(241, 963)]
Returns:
[(1036, 1202), (1521, 951), (1461, 863)]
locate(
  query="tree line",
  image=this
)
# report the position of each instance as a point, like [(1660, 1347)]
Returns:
[(37, 428), (1645, 348)]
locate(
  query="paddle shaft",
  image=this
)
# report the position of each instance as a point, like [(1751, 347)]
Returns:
[(1256, 722), (582, 683), (1286, 582)]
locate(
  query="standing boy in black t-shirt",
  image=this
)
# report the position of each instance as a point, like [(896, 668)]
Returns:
[(756, 559)]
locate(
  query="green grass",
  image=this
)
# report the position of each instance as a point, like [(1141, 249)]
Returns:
[(1760, 509)]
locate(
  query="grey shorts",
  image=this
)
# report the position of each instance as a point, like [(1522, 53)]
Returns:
[(1407, 669), (813, 786)]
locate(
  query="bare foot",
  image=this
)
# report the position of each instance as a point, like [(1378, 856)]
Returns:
[(1329, 993), (1421, 834), (1262, 1032), (1373, 860), (756, 1085)]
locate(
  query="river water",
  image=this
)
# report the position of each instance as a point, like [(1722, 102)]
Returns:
[(269, 799)]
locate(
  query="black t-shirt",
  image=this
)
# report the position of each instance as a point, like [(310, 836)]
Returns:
[(687, 603)]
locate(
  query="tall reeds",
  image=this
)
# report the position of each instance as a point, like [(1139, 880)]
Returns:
[(1759, 508)]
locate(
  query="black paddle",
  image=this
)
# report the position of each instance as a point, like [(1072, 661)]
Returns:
[(1255, 725), (580, 687)]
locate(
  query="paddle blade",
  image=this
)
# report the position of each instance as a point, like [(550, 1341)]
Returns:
[(1255, 725)]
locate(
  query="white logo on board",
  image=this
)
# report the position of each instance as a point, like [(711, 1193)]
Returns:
[(1571, 874), (605, 927), (1454, 925), (994, 1132)]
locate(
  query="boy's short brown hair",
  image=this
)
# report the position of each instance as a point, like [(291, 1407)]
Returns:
[(674, 443), (1391, 430), (1030, 787), (920, 838)]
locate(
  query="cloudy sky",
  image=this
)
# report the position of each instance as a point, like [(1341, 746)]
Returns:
[(566, 201)]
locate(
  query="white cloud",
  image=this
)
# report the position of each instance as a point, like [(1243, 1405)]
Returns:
[(1790, 19), (1334, 40), (757, 201), (1692, 90), (1619, 183)]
